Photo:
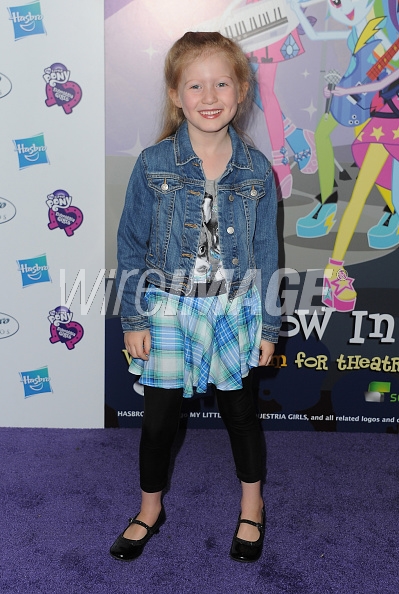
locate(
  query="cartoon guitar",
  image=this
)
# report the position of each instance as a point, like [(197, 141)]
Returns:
[(353, 110)]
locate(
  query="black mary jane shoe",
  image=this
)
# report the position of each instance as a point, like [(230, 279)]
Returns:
[(125, 549), (247, 551)]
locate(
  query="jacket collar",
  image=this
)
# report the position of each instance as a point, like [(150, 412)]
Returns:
[(184, 151)]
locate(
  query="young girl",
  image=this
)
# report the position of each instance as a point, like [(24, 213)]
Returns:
[(201, 193)]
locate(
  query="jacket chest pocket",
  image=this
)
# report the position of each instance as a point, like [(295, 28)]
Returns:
[(248, 196), (251, 190), (165, 188), (245, 204), (165, 185)]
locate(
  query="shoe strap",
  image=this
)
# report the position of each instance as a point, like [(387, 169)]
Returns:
[(140, 523), (256, 524)]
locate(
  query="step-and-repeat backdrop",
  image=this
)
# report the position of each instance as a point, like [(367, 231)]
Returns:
[(336, 163), (52, 213), (337, 362)]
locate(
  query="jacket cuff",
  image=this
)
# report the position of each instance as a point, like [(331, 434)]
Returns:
[(135, 324), (270, 333)]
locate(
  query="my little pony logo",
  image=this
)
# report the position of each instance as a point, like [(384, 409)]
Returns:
[(63, 329), (61, 214), (59, 89)]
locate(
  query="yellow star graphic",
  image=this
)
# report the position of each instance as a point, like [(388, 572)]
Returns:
[(396, 133), (377, 133)]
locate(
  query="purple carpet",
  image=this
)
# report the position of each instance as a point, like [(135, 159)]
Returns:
[(332, 502)]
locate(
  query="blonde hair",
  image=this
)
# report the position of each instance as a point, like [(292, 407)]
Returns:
[(187, 49)]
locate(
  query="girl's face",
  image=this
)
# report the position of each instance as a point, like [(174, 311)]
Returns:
[(208, 93), (349, 12)]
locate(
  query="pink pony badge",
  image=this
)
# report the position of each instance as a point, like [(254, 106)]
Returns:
[(63, 329), (61, 214), (59, 89)]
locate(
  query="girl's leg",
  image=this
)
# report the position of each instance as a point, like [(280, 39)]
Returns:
[(302, 144), (338, 286), (237, 409), (160, 423), (321, 218), (325, 155), (395, 185), (373, 162), (275, 126), (385, 234)]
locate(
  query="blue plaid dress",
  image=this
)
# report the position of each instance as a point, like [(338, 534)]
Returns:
[(196, 341)]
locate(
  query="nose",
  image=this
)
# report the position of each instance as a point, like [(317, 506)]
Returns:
[(209, 95)]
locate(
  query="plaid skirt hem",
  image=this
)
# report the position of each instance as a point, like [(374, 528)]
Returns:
[(196, 341)]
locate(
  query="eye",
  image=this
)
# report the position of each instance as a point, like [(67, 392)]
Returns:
[(222, 84), (195, 87), (336, 3)]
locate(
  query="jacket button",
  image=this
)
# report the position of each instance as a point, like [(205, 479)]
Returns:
[(234, 261), (254, 192), (164, 187), (231, 198), (230, 230)]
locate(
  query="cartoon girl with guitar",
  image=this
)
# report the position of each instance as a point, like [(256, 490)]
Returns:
[(376, 152), (281, 129), (268, 32), (365, 20)]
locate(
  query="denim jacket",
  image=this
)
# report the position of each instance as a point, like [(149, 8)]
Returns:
[(159, 231)]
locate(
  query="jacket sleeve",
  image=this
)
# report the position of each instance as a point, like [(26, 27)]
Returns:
[(133, 238), (266, 257)]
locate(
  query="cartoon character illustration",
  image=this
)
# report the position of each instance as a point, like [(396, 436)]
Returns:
[(282, 130), (369, 31), (63, 329), (61, 214), (376, 152), (202, 267), (60, 90), (268, 31), (208, 263)]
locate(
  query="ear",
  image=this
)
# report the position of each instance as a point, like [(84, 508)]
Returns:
[(174, 95), (243, 92)]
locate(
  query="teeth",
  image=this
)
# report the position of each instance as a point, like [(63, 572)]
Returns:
[(214, 112)]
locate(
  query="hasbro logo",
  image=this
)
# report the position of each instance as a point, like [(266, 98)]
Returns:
[(36, 382), (8, 325), (7, 210), (34, 270), (27, 20), (31, 151)]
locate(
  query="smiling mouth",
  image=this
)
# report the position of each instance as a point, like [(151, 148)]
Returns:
[(210, 113), (351, 15)]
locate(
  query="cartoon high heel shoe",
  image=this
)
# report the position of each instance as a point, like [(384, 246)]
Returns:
[(338, 291), (302, 144), (385, 234), (320, 220), (282, 173)]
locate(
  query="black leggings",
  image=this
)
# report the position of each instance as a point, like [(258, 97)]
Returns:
[(161, 421)]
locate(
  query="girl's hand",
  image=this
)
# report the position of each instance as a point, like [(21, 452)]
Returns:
[(266, 352), (138, 344)]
